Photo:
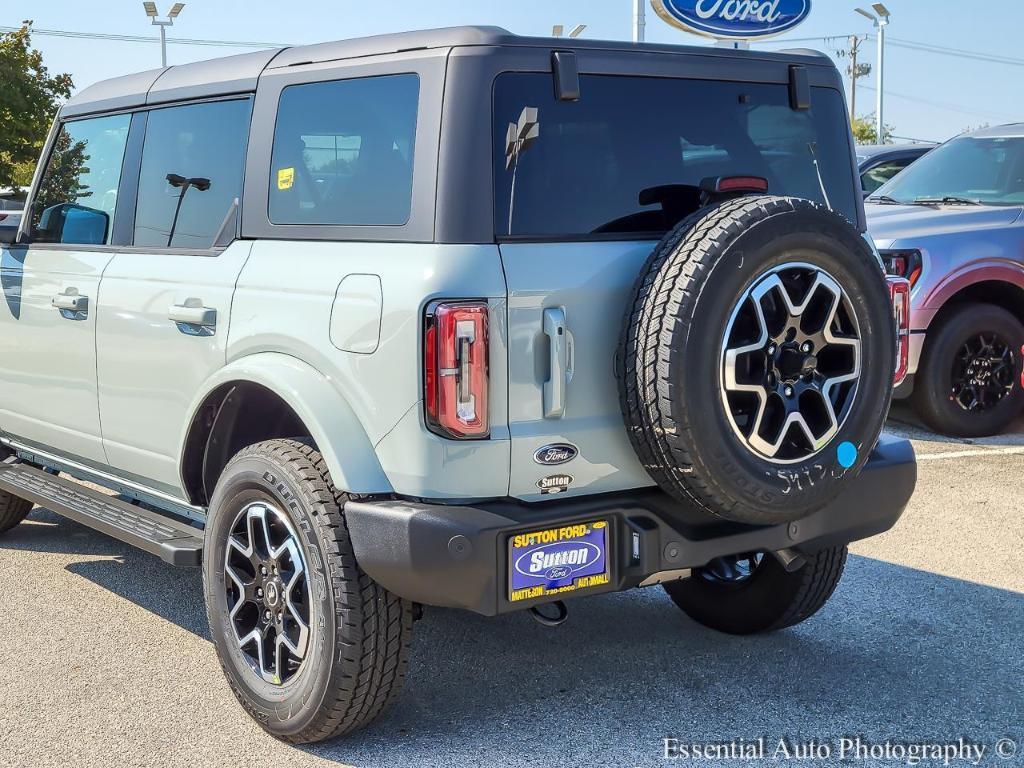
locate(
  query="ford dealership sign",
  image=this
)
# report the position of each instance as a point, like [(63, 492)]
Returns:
[(733, 19)]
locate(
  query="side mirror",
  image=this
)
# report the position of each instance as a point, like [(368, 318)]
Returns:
[(71, 223)]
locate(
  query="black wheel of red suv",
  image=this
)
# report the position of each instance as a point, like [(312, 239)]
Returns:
[(311, 646), (968, 381), (757, 357), (751, 593)]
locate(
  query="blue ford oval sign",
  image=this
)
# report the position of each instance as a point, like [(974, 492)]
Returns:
[(735, 19)]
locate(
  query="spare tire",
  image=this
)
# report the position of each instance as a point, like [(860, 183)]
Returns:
[(756, 361)]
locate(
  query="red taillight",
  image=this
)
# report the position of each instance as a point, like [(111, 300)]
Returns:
[(455, 377), (899, 293)]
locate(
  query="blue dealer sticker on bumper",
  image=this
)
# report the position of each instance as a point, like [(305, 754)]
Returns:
[(558, 560)]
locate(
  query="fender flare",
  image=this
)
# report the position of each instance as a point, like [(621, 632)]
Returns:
[(333, 425), (988, 270)]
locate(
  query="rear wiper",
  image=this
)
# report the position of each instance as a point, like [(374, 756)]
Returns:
[(948, 200), (885, 199)]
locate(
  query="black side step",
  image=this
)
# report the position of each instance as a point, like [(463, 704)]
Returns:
[(176, 542)]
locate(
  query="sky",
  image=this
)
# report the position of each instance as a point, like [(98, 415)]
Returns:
[(972, 73)]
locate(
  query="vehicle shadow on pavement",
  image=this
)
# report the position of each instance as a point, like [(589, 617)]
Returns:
[(904, 422), (897, 654), (173, 593)]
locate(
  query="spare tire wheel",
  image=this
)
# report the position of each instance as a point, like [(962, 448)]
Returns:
[(755, 368)]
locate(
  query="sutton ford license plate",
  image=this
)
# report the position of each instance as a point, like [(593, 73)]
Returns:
[(557, 560)]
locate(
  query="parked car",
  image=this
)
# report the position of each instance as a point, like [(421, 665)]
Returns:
[(878, 163), (10, 221), (951, 224), (487, 322)]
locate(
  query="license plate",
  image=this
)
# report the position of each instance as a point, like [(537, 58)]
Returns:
[(558, 560)]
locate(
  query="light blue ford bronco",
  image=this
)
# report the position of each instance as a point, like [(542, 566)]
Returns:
[(453, 318)]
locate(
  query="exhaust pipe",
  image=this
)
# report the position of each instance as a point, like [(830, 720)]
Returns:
[(790, 559)]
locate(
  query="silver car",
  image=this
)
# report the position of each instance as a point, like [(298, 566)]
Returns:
[(951, 223)]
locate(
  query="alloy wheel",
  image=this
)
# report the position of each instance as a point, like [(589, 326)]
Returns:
[(983, 372), (267, 592), (791, 361)]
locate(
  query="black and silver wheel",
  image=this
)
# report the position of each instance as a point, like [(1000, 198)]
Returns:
[(757, 358), (751, 592), (968, 381), (311, 646), (790, 367), (267, 591)]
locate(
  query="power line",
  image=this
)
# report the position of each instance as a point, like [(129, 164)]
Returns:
[(144, 39), (960, 53), (947, 105)]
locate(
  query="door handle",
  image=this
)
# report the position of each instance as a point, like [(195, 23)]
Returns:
[(193, 319), (560, 357), (71, 304)]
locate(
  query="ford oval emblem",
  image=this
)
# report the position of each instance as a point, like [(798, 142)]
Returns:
[(556, 453), (735, 19)]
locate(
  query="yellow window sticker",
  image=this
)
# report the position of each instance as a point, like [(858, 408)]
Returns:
[(285, 178)]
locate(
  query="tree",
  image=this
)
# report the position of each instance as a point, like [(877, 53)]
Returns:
[(864, 130), (29, 98)]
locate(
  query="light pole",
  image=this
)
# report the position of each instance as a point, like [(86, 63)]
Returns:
[(881, 21), (638, 20), (163, 24)]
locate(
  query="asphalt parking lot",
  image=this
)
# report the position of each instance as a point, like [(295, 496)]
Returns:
[(108, 662)]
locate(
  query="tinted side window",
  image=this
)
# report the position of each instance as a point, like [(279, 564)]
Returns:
[(78, 191), (192, 165), (343, 152), (592, 158), (875, 177)]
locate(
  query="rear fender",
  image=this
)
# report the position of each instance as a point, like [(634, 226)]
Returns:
[(331, 422)]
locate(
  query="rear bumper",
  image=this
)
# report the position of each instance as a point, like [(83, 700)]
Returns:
[(457, 556)]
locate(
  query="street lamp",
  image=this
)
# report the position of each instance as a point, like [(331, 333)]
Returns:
[(163, 24), (881, 21)]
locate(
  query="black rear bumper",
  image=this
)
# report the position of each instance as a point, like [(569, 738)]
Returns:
[(456, 556)]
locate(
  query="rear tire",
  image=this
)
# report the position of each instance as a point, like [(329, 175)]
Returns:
[(13, 509), (938, 380), (354, 658), (768, 599)]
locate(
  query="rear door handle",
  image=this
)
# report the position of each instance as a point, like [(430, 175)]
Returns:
[(193, 319), (561, 362), (71, 304)]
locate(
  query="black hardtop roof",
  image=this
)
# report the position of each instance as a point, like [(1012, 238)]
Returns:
[(238, 74)]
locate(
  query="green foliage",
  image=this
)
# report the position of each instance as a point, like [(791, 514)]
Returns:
[(62, 182), (864, 130), (29, 98)]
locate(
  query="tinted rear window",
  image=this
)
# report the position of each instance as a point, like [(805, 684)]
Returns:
[(343, 152), (585, 172)]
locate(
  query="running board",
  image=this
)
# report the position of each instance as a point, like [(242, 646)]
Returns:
[(174, 541)]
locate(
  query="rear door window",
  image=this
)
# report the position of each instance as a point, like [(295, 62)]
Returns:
[(657, 138), (78, 190), (192, 166), (343, 152)]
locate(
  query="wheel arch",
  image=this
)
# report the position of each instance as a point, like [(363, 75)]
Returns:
[(992, 282), (998, 286), (291, 399)]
